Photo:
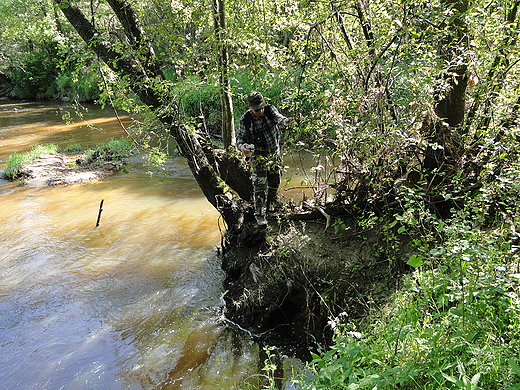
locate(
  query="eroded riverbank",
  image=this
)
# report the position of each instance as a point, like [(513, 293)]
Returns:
[(288, 286)]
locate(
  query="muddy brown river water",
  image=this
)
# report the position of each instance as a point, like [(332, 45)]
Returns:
[(133, 304)]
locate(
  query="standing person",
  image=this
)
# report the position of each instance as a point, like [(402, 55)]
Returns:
[(259, 137)]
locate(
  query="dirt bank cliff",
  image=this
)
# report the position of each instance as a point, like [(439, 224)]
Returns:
[(286, 282)]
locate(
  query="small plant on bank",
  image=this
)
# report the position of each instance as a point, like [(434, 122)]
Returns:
[(265, 381), (16, 162), (270, 369), (113, 152)]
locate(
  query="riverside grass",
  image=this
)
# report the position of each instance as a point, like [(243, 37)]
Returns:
[(15, 162)]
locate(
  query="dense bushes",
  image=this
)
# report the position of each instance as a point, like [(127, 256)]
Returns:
[(370, 79), (48, 69), (40, 59), (455, 323), (35, 76), (45, 73)]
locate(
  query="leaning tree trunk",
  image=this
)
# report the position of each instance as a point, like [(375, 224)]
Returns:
[(142, 72)]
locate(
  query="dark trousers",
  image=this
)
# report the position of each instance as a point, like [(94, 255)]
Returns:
[(266, 178)]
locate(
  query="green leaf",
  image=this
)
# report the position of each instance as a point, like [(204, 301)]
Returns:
[(415, 261), (455, 311), (449, 378), (514, 366), (475, 379), (436, 251)]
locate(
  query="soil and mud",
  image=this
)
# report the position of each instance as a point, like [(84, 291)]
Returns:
[(285, 283)]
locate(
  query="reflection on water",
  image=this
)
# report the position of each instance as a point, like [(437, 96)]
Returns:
[(133, 304)]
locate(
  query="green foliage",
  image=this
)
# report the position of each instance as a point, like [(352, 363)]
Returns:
[(71, 149), (203, 99), (444, 336), (114, 152), (201, 102), (35, 76), (78, 85), (455, 324), (15, 162), (40, 58), (270, 369)]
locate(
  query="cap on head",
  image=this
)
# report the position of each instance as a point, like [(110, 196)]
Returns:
[(256, 100)]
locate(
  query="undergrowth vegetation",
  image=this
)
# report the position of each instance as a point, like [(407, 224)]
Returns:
[(455, 323)]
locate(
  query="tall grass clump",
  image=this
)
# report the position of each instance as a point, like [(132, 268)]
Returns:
[(455, 323), (14, 163)]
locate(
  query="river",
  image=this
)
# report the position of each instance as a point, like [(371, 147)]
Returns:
[(135, 303)]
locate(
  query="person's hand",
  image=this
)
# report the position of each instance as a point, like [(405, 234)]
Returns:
[(289, 121), (245, 150)]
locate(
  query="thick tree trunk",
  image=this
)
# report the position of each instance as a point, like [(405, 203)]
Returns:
[(122, 65), (141, 71), (450, 105)]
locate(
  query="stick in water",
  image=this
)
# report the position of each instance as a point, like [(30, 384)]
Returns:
[(100, 210)]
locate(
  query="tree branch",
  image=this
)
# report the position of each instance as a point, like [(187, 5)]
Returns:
[(114, 59)]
